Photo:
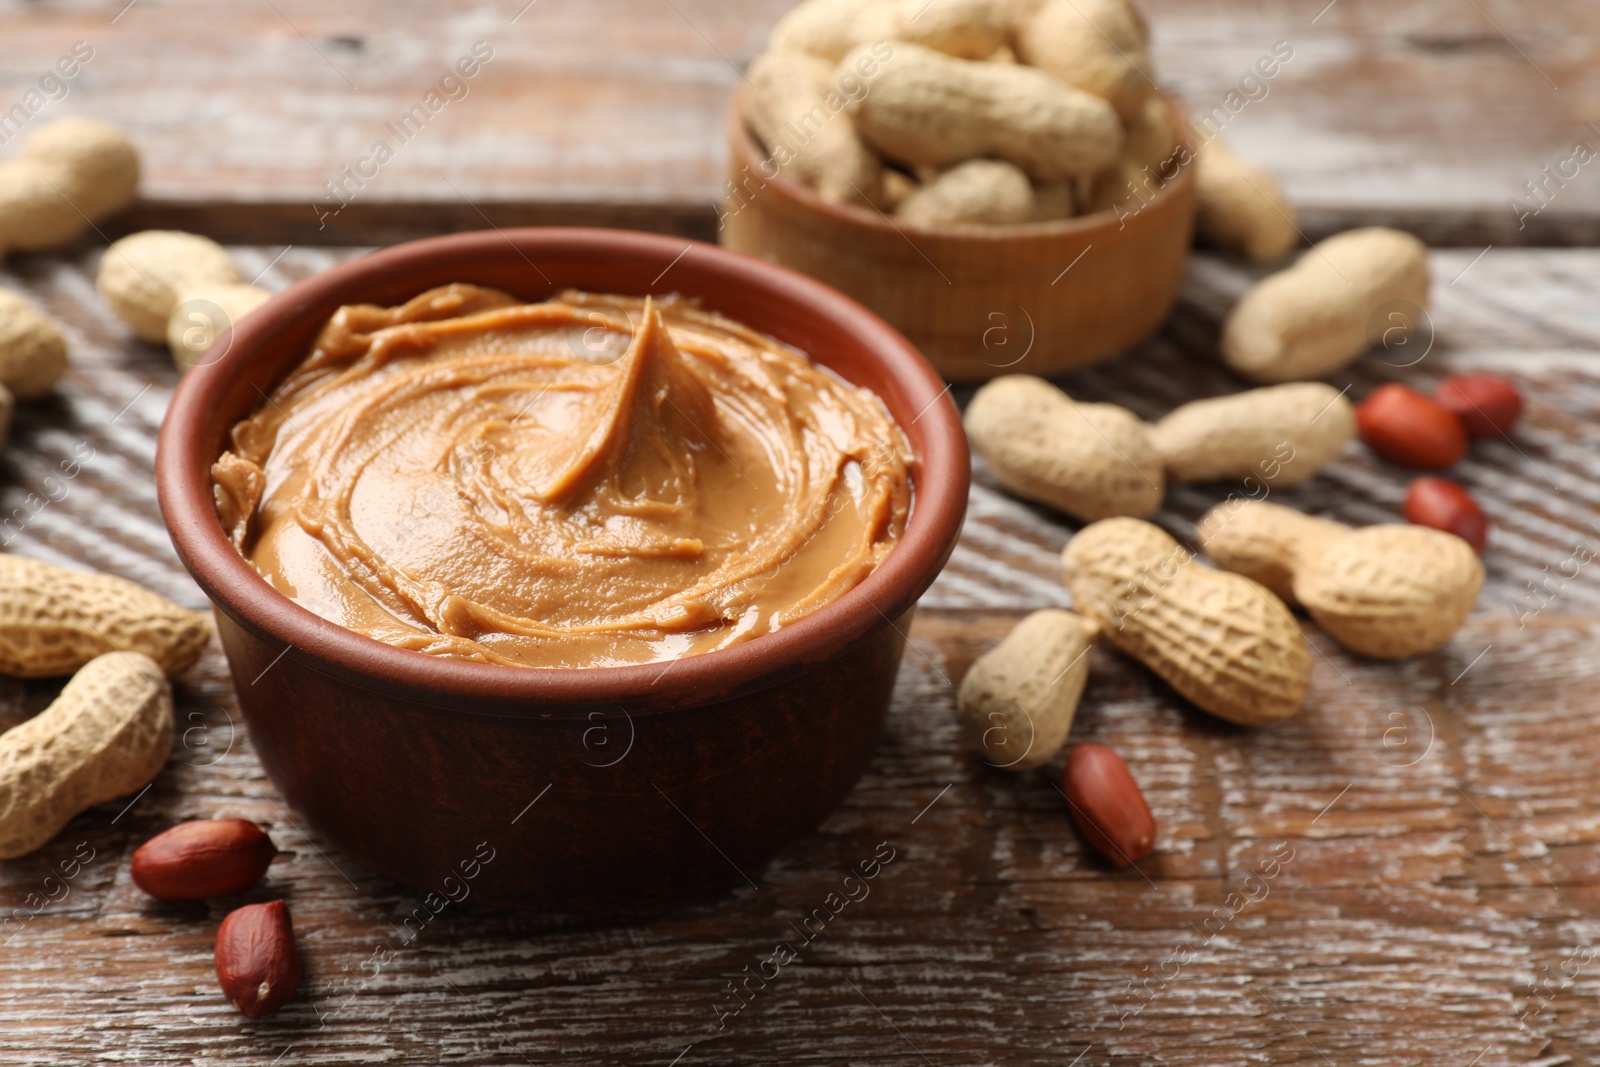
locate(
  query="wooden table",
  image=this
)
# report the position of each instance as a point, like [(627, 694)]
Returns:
[(1431, 828)]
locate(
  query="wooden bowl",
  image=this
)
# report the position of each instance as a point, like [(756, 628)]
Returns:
[(584, 788), (1041, 298)]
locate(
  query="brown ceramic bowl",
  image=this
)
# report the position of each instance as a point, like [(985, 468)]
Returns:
[(588, 788), (979, 301)]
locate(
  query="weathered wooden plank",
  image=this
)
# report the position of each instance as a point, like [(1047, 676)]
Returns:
[(1407, 112)]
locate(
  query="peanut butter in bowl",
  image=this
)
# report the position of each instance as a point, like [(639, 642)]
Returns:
[(586, 482)]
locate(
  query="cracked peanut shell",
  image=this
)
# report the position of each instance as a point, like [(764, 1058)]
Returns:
[(971, 29), (143, 276), (1223, 642), (1344, 295), (925, 108), (1018, 700), (106, 735), (1279, 436), (1391, 591), (33, 354), (53, 621), (1092, 461)]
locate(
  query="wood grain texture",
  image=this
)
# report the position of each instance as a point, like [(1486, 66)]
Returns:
[(1430, 113), (1432, 823)]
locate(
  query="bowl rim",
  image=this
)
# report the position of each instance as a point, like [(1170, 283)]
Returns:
[(746, 152), (940, 471)]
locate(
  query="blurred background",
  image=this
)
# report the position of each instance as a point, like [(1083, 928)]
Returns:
[(1429, 114)]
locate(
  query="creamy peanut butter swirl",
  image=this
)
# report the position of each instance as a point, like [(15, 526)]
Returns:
[(591, 481)]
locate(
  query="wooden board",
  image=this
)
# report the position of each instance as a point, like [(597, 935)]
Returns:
[(1412, 861), (1431, 113)]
